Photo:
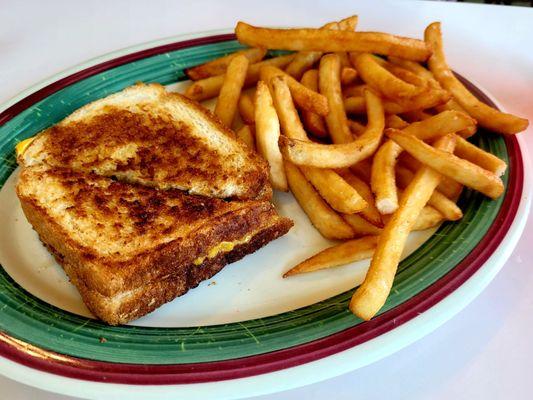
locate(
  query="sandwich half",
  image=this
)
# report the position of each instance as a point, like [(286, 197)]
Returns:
[(147, 135), (129, 238)]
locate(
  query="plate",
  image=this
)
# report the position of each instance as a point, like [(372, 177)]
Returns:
[(266, 333)]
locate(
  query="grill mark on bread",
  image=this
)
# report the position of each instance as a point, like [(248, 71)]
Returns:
[(140, 136)]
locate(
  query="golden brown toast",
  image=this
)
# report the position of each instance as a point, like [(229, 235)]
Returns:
[(129, 248), (146, 135)]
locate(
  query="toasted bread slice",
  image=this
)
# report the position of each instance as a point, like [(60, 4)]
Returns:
[(130, 248), (146, 135)]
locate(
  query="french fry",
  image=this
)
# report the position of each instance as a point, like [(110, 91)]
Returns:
[(406, 75), (348, 23), (447, 208), (379, 78), (343, 58), (426, 99), (305, 60), (363, 169), (303, 97), (474, 154), (341, 254), (339, 155), (370, 212), (337, 192), (326, 221), (428, 218), (348, 76), (354, 90), (416, 115), (360, 225), (230, 91), (246, 108), (208, 88), (247, 135), (267, 134), (425, 74), (371, 295), (356, 127), (330, 86), (486, 116), (439, 125), (314, 123), (450, 188), (331, 41), (219, 66), (449, 165), (396, 122), (383, 178)]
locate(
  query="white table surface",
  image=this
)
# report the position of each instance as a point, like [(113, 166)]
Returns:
[(486, 351)]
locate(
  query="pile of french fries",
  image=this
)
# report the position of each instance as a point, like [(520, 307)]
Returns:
[(367, 130)]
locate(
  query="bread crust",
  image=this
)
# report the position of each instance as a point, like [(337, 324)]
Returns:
[(152, 144), (110, 275), (150, 296)]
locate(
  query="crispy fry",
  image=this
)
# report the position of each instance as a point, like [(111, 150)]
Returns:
[(370, 213), (449, 165), (363, 169), (371, 295), (219, 66), (348, 76), (383, 179), (396, 122), (425, 74), (208, 88), (428, 218), (406, 75), (247, 135), (326, 221), (343, 58), (426, 99), (360, 225), (379, 78), (485, 160), (450, 188), (288, 116), (356, 127), (314, 123), (348, 23), (230, 91), (339, 155), (339, 194), (305, 59), (416, 115), (303, 97), (330, 86), (447, 208), (439, 125), (354, 90), (486, 116), (455, 106), (331, 41), (267, 134), (344, 253), (246, 108)]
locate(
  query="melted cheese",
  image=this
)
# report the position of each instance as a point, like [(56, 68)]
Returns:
[(222, 247), (22, 146)]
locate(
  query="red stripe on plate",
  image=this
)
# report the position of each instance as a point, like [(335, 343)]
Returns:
[(140, 374)]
